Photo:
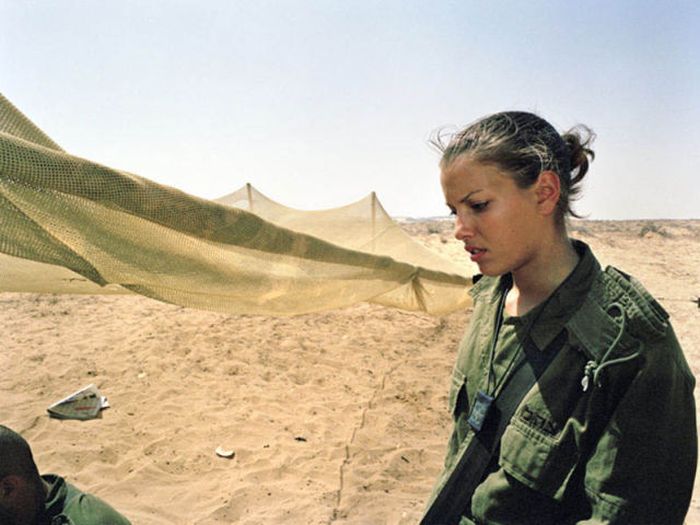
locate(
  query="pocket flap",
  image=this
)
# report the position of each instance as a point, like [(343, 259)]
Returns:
[(538, 461)]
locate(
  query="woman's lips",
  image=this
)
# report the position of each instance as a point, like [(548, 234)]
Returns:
[(475, 252)]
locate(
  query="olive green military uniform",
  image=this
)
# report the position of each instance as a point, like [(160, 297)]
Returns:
[(65, 504), (607, 434)]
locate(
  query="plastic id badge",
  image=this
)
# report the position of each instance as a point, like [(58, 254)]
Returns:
[(480, 410)]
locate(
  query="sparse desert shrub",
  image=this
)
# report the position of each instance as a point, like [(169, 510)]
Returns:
[(651, 228)]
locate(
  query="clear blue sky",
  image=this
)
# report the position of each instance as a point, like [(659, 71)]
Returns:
[(317, 103)]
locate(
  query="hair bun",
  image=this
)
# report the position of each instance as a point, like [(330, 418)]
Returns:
[(579, 139)]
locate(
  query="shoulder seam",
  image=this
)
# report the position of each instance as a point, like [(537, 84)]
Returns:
[(647, 316)]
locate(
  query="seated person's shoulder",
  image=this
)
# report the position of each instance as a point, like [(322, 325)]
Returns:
[(86, 509)]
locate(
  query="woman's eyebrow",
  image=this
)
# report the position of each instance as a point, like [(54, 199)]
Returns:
[(466, 198)]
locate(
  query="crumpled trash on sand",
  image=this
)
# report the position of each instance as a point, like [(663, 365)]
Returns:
[(86, 403)]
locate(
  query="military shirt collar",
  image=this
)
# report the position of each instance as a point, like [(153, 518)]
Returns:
[(55, 497), (485, 288), (566, 299), (550, 316)]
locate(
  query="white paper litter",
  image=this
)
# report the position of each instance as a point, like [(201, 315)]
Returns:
[(86, 403)]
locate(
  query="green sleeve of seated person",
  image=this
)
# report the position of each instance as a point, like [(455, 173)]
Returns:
[(65, 504)]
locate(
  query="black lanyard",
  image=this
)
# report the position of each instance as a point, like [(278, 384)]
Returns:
[(494, 342), (485, 398)]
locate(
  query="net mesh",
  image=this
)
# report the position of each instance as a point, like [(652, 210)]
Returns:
[(69, 225), (363, 225)]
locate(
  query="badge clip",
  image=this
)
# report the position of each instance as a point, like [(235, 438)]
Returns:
[(480, 410)]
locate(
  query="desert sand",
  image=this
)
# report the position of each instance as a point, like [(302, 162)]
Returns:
[(334, 418)]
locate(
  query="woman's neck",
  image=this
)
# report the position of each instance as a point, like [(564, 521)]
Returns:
[(536, 281)]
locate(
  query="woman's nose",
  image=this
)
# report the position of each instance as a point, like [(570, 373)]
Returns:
[(464, 230)]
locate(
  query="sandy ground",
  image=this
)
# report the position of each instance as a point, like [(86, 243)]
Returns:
[(336, 418)]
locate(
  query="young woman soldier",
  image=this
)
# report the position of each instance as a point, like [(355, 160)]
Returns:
[(572, 400)]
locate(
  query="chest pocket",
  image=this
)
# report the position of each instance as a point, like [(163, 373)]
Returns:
[(458, 406), (541, 445), (541, 462)]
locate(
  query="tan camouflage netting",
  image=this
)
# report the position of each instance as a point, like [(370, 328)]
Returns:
[(69, 225)]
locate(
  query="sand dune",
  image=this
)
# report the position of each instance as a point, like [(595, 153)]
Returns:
[(334, 418)]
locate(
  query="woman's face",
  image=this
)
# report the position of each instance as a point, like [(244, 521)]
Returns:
[(497, 221)]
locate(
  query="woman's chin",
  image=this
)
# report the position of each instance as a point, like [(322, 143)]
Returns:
[(489, 270)]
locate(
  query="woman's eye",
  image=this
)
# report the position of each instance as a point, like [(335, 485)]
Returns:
[(452, 212), (479, 206)]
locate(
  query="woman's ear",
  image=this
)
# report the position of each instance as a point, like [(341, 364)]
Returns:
[(547, 191)]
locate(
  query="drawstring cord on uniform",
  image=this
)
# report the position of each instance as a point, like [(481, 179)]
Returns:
[(592, 370)]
